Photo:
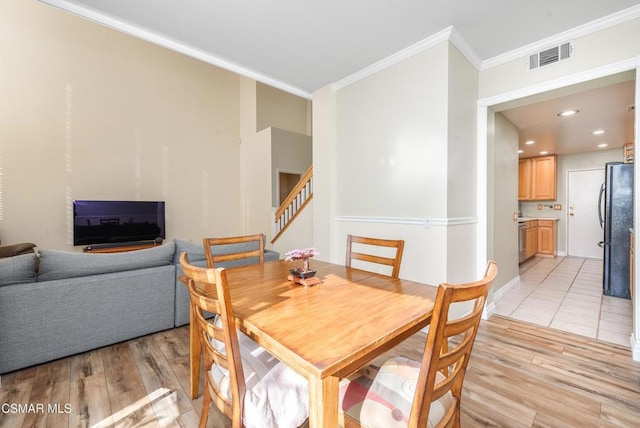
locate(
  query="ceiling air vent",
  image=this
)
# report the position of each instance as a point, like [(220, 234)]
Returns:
[(550, 55)]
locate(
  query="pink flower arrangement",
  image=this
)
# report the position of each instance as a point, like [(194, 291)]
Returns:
[(301, 254)]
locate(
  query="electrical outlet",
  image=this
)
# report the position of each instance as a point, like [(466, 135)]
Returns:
[(557, 207), (515, 216), (539, 207)]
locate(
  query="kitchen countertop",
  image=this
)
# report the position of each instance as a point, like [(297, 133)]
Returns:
[(537, 218)]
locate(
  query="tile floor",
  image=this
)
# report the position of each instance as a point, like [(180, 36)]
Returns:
[(565, 293)]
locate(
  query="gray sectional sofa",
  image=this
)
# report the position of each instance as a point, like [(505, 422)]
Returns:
[(197, 258), (56, 303)]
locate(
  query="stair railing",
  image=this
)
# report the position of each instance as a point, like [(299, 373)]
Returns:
[(294, 203)]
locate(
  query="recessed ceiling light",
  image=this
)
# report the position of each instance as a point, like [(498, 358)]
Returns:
[(603, 145), (598, 132), (530, 142), (568, 113), (520, 151), (544, 152)]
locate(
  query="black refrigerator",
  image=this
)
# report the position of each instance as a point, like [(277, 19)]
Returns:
[(616, 218)]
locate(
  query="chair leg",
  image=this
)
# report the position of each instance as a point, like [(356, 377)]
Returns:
[(456, 415), (206, 405)]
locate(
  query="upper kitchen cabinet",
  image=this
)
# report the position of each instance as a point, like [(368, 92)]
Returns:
[(537, 179), (524, 180)]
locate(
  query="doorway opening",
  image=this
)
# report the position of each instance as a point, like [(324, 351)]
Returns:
[(584, 270), (287, 181)]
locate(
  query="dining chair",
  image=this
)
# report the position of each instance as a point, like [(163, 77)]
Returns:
[(367, 244), (233, 250), (403, 392), (246, 383)]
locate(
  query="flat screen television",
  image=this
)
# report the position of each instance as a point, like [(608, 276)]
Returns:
[(117, 222)]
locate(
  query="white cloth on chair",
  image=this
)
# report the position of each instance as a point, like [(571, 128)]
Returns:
[(276, 396)]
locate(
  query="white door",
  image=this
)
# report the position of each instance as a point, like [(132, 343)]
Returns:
[(583, 226)]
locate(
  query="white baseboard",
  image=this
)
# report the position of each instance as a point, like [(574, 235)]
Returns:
[(507, 287), (490, 307), (635, 348)]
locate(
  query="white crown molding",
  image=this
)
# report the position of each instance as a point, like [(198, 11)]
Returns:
[(580, 31), (465, 48), (424, 221), (160, 40), (448, 34)]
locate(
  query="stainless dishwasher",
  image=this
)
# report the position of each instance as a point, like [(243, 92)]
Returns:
[(522, 241)]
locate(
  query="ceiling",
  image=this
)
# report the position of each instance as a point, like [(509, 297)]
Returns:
[(301, 46), (603, 104)]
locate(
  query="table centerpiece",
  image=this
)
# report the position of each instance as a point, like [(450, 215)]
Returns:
[(304, 274)]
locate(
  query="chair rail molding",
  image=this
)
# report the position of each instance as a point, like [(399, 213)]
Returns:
[(426, 222)]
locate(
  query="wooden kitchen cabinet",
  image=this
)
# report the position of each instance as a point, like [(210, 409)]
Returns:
[(547, 238), (524, 179), (537, 179)]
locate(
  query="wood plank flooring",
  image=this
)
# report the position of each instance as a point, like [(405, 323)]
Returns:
[(520, 375)]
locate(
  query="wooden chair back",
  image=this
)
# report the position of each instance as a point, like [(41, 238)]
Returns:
[(449, 359), (209, 332), (394, 262), (213, 259)]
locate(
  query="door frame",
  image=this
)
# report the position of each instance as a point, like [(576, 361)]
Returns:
[(483, 162), (566, 204)]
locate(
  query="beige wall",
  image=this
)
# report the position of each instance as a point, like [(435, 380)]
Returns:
[(255, 165), (325, 185), (392, 140), (462, 171), (504, 191), (404, 152), (290, 152), (391, 151), (90, 113), (282, 110), (269, 149), (462, 108)]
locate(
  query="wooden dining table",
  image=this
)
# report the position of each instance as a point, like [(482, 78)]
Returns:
[(326, 331)]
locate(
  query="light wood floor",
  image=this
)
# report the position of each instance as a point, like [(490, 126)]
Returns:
[(520, 375)]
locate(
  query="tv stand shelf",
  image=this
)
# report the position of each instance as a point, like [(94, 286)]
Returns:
[(122, 249)]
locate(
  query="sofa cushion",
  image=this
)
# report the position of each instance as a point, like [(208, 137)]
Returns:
[(65, 264), (195, 252), (18, 269)]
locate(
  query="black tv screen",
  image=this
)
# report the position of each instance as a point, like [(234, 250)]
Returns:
[(112, 222)]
